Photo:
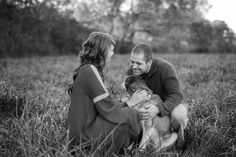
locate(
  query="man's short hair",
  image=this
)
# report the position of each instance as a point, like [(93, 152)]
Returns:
[(145, 49)]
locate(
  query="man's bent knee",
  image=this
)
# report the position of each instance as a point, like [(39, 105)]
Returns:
[(179, 113)]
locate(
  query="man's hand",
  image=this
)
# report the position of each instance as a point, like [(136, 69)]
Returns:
[(149, 112)]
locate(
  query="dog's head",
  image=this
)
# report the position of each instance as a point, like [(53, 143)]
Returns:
[(133, 83)]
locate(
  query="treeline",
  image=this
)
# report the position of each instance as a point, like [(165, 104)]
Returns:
[(28, 28), (176, 26), (213, 37)]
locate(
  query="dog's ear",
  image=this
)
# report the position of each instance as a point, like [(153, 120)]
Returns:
[(128, 84), (125, 84), (141, 84), (128, 80)]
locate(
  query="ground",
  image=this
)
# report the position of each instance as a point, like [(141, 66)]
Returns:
[(34, 103)]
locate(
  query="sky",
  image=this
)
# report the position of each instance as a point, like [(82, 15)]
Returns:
[(224, 10)]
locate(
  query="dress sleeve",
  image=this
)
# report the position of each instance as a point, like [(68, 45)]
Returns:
[(173, 93), (93, 84), (113, 111)]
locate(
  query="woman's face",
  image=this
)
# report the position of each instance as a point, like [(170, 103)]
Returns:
[(110, 53)]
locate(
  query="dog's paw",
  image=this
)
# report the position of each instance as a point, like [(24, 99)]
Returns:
[(168, 141)]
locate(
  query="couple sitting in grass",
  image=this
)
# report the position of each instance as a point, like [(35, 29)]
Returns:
[(95, 121)]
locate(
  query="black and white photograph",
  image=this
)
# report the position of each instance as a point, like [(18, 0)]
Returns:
[(117, 78)]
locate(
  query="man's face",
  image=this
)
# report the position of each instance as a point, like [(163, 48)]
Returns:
[(138, 64)]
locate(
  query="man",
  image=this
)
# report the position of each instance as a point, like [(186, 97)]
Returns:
[(160, 76)]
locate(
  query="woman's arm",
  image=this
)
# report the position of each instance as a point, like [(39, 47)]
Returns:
[(110, 110)]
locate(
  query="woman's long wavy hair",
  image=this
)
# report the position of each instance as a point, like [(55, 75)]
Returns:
[(94, 51)]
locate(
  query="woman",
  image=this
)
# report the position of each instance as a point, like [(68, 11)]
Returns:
[(93, 116)]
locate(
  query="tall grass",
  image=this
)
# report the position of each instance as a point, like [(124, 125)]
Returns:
[(39, 87)]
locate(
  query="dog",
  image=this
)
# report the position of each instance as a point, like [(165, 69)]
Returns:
[(156, 130)]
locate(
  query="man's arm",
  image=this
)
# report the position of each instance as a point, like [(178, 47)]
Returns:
[(172, 88)]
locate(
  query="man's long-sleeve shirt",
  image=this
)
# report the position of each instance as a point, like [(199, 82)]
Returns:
[(162, 80)]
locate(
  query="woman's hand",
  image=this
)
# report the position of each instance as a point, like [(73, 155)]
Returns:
[(137, 97), (149, 112)]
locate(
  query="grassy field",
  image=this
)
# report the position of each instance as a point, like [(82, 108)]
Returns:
[(34, 103)]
